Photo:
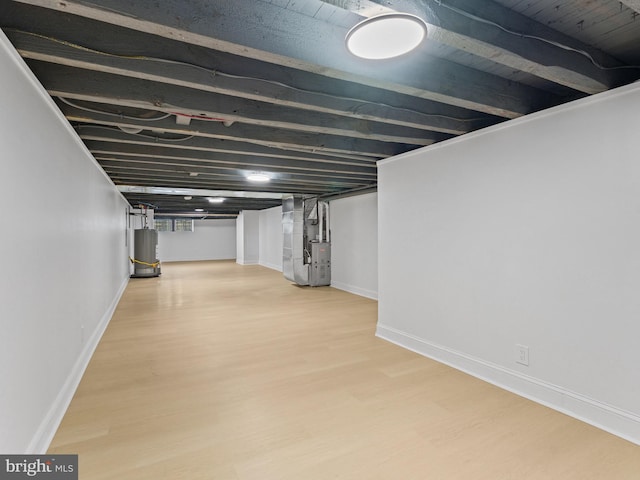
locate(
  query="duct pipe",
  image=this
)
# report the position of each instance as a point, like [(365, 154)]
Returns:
[(320, 221), (294, 266), (328, 224)]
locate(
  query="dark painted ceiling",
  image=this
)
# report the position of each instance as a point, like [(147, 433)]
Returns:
[(195, 94)]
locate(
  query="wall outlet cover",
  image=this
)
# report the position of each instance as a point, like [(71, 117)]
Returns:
[(522, 354)]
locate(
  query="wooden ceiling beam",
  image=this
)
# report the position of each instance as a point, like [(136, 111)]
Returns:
[(107, 134), (632, 4), (80, 84), (245, 28), (289, 140), (228, 160), (182, 74), (492, 31)]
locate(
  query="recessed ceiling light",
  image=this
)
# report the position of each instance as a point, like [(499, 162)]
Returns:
[(199, 209), (386, 36), (258, 177), (193, 174), (216, 200), (188, 197)]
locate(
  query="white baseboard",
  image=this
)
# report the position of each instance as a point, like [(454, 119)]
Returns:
[(363, 292), (174, 260), (247, 262), (49, 425), (619, 422), (272, 266)]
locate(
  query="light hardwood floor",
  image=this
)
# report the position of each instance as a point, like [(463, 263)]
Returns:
[(228, 372)]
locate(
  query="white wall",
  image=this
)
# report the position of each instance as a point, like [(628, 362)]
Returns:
[(524, 233), (240, 238), (210, 240), (271, 238), (63, 254), (248, 237), (354, 244)]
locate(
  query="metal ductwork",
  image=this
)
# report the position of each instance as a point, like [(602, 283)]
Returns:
[(306, 256)]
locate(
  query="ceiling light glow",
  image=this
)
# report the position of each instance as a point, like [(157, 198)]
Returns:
[(258, 177), (131, 130), (216, 200), (386, 36), (199, 209)]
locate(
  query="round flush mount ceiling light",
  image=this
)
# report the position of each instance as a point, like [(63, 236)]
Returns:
[(131, 130), (386, 36), (258, 177), (216, 200)]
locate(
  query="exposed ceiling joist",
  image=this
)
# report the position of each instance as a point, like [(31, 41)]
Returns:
[(103, 38), (230, 160), (491, 31), (157, 178), (197, 94), (339, 146), (81, 84), (181, 74), (156, 174), (303, 43), (108, 134), (199, 192), (632, 4)]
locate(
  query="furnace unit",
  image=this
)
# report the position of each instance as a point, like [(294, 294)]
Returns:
[(306, 255)]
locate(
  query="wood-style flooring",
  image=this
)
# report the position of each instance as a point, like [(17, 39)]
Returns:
[(227, 372)]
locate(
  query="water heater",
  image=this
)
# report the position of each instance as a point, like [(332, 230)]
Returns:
[(145, 253)]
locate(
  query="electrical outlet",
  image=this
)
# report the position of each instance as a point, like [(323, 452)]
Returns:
[(522, 354)]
